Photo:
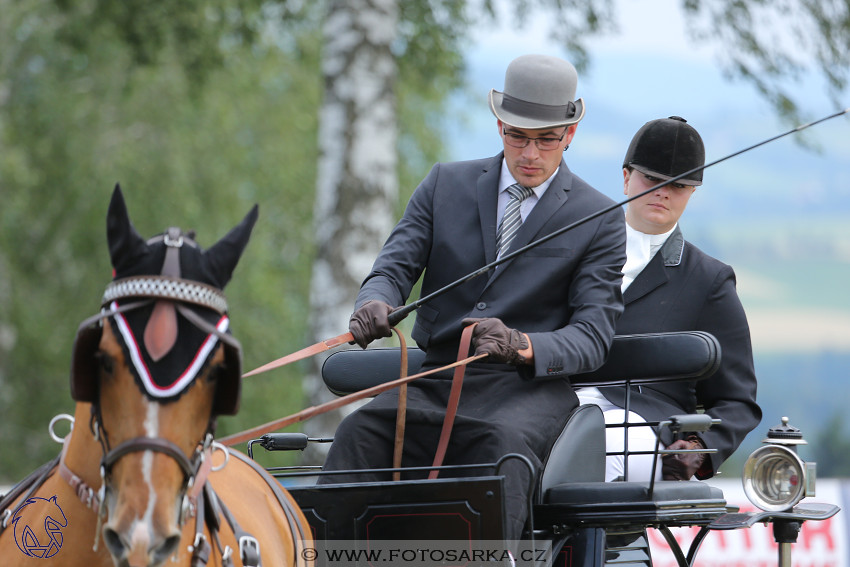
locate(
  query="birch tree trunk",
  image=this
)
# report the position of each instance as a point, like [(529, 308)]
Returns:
[(357, 186)]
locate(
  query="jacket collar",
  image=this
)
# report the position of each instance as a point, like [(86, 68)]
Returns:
[(655, 274), (673, 247)]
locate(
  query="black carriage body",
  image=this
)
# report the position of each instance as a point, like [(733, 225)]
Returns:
[(440, 509)]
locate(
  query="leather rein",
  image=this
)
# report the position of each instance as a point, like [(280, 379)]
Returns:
[(459, 367)]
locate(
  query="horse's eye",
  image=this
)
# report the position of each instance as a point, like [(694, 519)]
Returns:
[(215, 373), (106, 363)]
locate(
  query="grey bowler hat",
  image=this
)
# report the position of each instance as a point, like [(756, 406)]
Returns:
[(539, 93)]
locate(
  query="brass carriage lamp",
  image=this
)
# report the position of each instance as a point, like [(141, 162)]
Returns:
[(775, 477)]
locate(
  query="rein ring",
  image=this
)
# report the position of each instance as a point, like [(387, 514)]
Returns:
[(61, 416), (223, 449)]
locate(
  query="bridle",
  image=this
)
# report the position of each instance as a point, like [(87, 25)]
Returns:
[(195, 469), (142, 291)]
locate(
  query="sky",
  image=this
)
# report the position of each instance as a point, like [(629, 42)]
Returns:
[(652, 69)]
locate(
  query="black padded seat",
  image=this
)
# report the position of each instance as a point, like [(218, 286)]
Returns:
[(621, 503)]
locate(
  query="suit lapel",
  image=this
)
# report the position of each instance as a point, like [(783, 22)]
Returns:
[(553, 199), (650, 278), (488, 198), (655, 273)]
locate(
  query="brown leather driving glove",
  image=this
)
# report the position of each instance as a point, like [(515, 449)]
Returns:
[(497, 340), (370, 322), (682, 466)]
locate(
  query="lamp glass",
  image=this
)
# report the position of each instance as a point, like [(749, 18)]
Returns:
[(774, 478)]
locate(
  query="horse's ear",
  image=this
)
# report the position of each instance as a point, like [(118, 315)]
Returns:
[(222, 257), (125, 244)]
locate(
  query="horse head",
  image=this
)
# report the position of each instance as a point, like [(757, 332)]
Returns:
[(158, 364)]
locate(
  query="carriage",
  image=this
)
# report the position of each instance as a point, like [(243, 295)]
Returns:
[(141, 480), (577, 519)]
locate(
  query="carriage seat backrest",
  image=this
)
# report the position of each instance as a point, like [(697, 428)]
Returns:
[(348, 371), (578, 454), (634, 359)]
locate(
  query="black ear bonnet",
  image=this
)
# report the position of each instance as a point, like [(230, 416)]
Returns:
[(167, 283)]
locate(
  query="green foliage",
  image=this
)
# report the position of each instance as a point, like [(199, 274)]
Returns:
[(72, 125), (86, 104), (776, 45), (572, 22), (200, 31)]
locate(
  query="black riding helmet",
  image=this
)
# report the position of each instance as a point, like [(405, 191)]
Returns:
[(665, 148)]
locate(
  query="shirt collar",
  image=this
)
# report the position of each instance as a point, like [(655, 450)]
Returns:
[(655, 240), (506, 180)]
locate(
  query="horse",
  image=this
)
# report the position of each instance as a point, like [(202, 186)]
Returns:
[(140, 480)]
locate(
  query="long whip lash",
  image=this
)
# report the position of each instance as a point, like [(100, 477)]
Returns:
[(399, 314)]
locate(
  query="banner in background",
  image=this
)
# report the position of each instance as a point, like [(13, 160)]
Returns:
[(819, 544)]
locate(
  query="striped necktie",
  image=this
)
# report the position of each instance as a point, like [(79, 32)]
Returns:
[(511, 220)]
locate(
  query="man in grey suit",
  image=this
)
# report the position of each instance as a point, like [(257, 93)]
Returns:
[(671, 285), (542, 316)]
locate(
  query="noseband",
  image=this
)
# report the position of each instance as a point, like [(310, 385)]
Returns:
[(195, 471), (156, 444)]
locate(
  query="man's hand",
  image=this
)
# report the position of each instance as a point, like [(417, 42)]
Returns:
[(682, 466), (370, 322), (501, 343)]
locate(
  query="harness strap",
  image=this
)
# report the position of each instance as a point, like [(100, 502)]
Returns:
[(401, 411), (201, 548), (256, 432), (249, 547), (89, 321), (213, 518), (454, 400), (87, 495), (157, 444), (201, 474), (30, 484), (206, 327), (311, 350), (296, 528)]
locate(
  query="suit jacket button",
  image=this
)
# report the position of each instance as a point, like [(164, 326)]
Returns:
[(481, 306)]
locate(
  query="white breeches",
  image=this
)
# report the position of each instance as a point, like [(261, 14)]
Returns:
[(641, 438)]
